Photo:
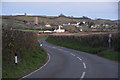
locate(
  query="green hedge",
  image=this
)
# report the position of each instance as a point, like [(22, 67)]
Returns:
[(92, 43), (30, 54)]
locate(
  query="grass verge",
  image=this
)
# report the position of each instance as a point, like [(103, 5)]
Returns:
[(27, 63), (74, 44)]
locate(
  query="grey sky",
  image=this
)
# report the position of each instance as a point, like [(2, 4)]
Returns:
[(105, 10)]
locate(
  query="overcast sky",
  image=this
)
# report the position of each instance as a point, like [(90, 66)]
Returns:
[(104, 10), (60, 0)]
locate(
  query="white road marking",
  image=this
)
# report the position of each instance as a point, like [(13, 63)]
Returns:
[(84, 65), (83, 74), (72, 54), (79, 58), (39, 68), (54, 47), (60, 49)]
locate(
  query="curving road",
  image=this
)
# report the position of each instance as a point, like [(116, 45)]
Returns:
[(69, 63)]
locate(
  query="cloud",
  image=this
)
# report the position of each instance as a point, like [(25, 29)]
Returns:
[(18, 14), (23, 14)]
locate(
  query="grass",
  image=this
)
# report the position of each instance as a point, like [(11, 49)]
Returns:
[(110, 54), (77, 45), (44, 36), (11, 23), (28, 30), (27, 62), (32, 30), (73, 45)]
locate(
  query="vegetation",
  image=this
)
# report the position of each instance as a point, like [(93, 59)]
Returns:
[(46, 19), (42, 36), (95, 44), (27, 23), (71, 29), (28, 30), (30, 54)]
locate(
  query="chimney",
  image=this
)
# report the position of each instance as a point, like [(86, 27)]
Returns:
[(36, 20)]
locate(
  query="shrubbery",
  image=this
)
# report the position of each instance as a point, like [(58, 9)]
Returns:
[(93, 40), (91, 43), (16, 40), (30, 54)]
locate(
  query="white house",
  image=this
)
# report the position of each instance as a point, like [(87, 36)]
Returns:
[(77, 24), (47, 25), (59, 29), (84, 22), (68, 23), (93, 26), (47, 31)]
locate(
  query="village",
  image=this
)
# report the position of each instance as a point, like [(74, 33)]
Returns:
[(82, 26), (68, 40), (60, 24)]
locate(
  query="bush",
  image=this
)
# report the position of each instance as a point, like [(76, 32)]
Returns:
[(92, 40), (16, 40), (30, 54), (91, 43)]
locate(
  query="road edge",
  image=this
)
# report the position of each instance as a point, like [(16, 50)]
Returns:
[(48, 56)]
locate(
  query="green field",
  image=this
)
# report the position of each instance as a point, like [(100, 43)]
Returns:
[(37, 31)]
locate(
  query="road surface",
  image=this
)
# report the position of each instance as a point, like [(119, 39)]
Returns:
[(69, 63)]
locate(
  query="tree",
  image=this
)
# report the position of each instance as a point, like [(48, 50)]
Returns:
[(91, 23), (61, 15), (84, 17), (81, 23), (42, 23), (25, 21)]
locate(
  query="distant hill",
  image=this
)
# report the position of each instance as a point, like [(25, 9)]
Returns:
[(57, 20)]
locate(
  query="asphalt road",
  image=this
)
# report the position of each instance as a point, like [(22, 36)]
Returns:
[(69, 63)]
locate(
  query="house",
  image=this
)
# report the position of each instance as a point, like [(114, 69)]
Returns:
[(47, 31), (68, 23), (59, 29), (93, 26), (84, 22), (47, 25)]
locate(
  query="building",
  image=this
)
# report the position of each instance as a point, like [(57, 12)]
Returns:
[(59, 29), (77, 24), (47, 25), (68, 23), (36, 20), (83, 22)]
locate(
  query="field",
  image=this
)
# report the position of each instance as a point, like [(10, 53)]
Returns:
[(27, 23), (91, 43), (30, 55)]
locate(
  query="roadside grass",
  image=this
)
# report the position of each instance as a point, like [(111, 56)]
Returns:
[(74, 45), (110, 54), (27, 62), (77, 45)]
